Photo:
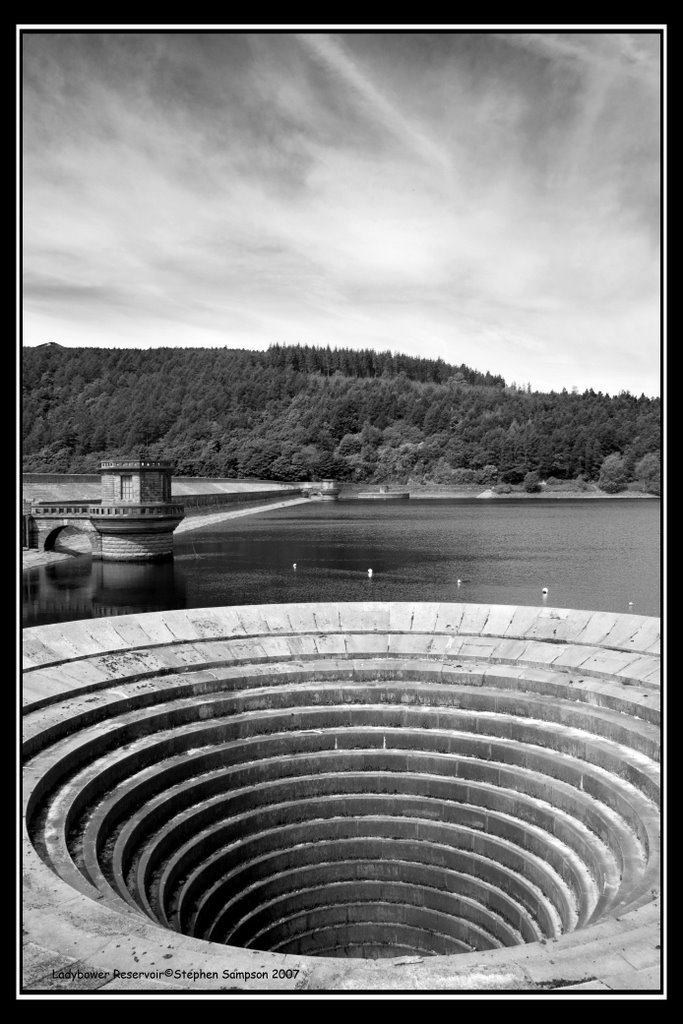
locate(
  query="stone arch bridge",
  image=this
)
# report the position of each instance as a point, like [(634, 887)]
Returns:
[(136, 516), (129, 532)]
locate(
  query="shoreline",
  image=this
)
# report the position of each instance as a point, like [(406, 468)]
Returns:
[(33, 559), (549, 495), (352, 493)]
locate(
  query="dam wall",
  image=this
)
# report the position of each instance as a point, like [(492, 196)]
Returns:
[(202, 501)]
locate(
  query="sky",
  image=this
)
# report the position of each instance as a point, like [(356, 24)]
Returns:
[(490, 198)]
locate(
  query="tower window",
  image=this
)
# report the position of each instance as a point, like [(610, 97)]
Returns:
[(126, 487)]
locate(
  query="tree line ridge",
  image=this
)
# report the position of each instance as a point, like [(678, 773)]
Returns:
[(304, 412)]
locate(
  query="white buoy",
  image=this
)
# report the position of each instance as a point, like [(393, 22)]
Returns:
[(630, 604), (544, 591), (370, 572), (458, 582), (293, 565)]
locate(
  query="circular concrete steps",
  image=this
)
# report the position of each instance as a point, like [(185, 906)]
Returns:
[(349, 785)]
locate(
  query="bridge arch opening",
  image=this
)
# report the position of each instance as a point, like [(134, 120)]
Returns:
[(69, 539)]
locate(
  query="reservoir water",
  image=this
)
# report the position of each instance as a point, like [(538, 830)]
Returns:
[(598, 554)]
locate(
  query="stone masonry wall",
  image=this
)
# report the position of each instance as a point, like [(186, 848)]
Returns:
[(111, 487), (155, 487), (137, 546)]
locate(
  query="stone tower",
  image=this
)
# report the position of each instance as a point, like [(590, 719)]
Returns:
[(137, 516), (135, 481)]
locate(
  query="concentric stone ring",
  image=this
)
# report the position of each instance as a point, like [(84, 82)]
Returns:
[(433, 797)]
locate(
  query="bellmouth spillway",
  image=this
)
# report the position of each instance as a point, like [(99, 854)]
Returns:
[(331, 790)]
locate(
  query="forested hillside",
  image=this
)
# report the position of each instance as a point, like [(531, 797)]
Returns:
[(297, 413)]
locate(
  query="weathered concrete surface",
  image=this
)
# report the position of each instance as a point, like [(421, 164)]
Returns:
[(538, 687)]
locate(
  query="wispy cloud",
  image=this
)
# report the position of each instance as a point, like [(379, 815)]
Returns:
[(616, 52), (487, 200), (353, 76)]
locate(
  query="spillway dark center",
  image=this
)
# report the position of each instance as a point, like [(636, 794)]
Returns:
[(344, 782)]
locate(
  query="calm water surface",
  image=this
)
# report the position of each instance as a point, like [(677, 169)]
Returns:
[(597, 554)]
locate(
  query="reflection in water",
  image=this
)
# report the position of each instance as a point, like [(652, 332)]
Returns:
[(83, 589)]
